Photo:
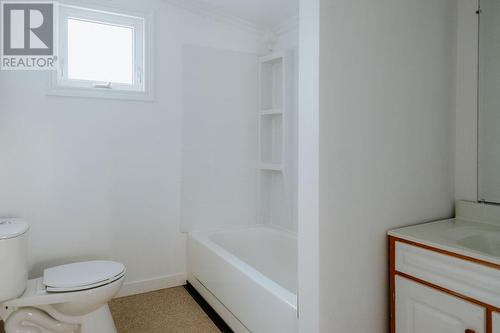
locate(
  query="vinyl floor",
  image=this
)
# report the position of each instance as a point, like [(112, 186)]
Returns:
[(164, 311)]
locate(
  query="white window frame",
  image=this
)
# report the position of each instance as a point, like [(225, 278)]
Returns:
[(140, 89)]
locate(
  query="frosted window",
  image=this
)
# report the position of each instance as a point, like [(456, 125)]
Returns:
[(103, 54), (100, 52)]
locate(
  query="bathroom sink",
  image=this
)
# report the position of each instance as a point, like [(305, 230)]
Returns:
[(485, 242), (477, 238)]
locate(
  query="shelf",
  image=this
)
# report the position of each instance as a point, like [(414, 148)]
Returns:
[(271, 112), (271, 167), (271, 84), (272, 58), (271, 139), (274, 116)]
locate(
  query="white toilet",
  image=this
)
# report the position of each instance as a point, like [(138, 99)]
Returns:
[(67, 299)]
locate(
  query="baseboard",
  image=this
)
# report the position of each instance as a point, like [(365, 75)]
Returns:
[(145, 286)]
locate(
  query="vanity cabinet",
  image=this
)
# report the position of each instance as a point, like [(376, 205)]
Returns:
[(421, 309), (439, 291)]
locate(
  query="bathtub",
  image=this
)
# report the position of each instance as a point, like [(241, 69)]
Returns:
[(248, 275)]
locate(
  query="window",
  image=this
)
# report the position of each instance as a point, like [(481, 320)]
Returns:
[(102, 54)]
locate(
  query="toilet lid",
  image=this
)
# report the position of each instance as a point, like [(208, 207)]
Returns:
[(12, 228), (82, 275)]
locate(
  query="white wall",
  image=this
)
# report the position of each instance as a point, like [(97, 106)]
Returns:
[(101, 178), (386, 144), (308, 167), (220, 139)]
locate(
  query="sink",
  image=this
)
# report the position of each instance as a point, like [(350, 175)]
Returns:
[(478, 239), (488, 243)]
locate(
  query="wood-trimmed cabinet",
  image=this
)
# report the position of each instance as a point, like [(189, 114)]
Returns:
[(496, 322), (422, 309), (437, 291)]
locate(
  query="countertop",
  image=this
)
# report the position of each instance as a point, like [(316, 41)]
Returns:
[(451, 235)]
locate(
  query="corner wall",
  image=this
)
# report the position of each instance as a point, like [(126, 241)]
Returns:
[(308, 167), (386, 145)]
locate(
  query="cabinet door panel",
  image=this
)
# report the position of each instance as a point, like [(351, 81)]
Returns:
[(496, 322), (420, 309)]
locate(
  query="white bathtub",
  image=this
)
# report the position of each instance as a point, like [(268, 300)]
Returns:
[(250, 274)]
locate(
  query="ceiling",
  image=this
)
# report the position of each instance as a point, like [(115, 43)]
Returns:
[(264, 13)]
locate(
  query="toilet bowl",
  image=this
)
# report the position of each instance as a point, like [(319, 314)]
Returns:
[(66, 299)]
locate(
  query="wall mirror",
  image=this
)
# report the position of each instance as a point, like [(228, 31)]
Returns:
[(489, 102)]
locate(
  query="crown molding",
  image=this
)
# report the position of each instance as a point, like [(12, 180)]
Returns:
[(217, 14)]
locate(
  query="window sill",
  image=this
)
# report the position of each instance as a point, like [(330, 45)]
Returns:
[(58, 91)]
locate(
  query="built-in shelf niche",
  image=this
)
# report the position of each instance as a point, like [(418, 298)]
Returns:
[(275, 129), (271, 139), (271, 112), (272, 83)]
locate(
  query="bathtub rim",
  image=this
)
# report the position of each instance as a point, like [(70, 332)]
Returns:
[(267, 283)]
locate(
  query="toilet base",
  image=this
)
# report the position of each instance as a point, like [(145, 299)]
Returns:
[(31, 320), (98, 321)]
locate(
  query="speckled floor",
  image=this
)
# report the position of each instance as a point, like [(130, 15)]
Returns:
[(164, 311)]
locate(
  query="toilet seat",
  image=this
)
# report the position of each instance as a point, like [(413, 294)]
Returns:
[(81, 276)]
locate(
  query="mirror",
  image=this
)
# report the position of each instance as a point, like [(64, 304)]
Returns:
[(489, 102)]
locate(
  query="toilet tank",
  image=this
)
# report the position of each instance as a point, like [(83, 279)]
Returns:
[(13, 258)]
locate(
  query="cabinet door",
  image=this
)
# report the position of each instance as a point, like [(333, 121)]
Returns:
[(420, 309), (496, 322)]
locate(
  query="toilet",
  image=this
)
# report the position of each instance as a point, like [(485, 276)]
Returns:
[(70, 298)]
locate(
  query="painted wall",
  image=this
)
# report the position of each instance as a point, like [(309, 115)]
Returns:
[(386, 144), (101, 178), (220, 139), (308, 167)]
